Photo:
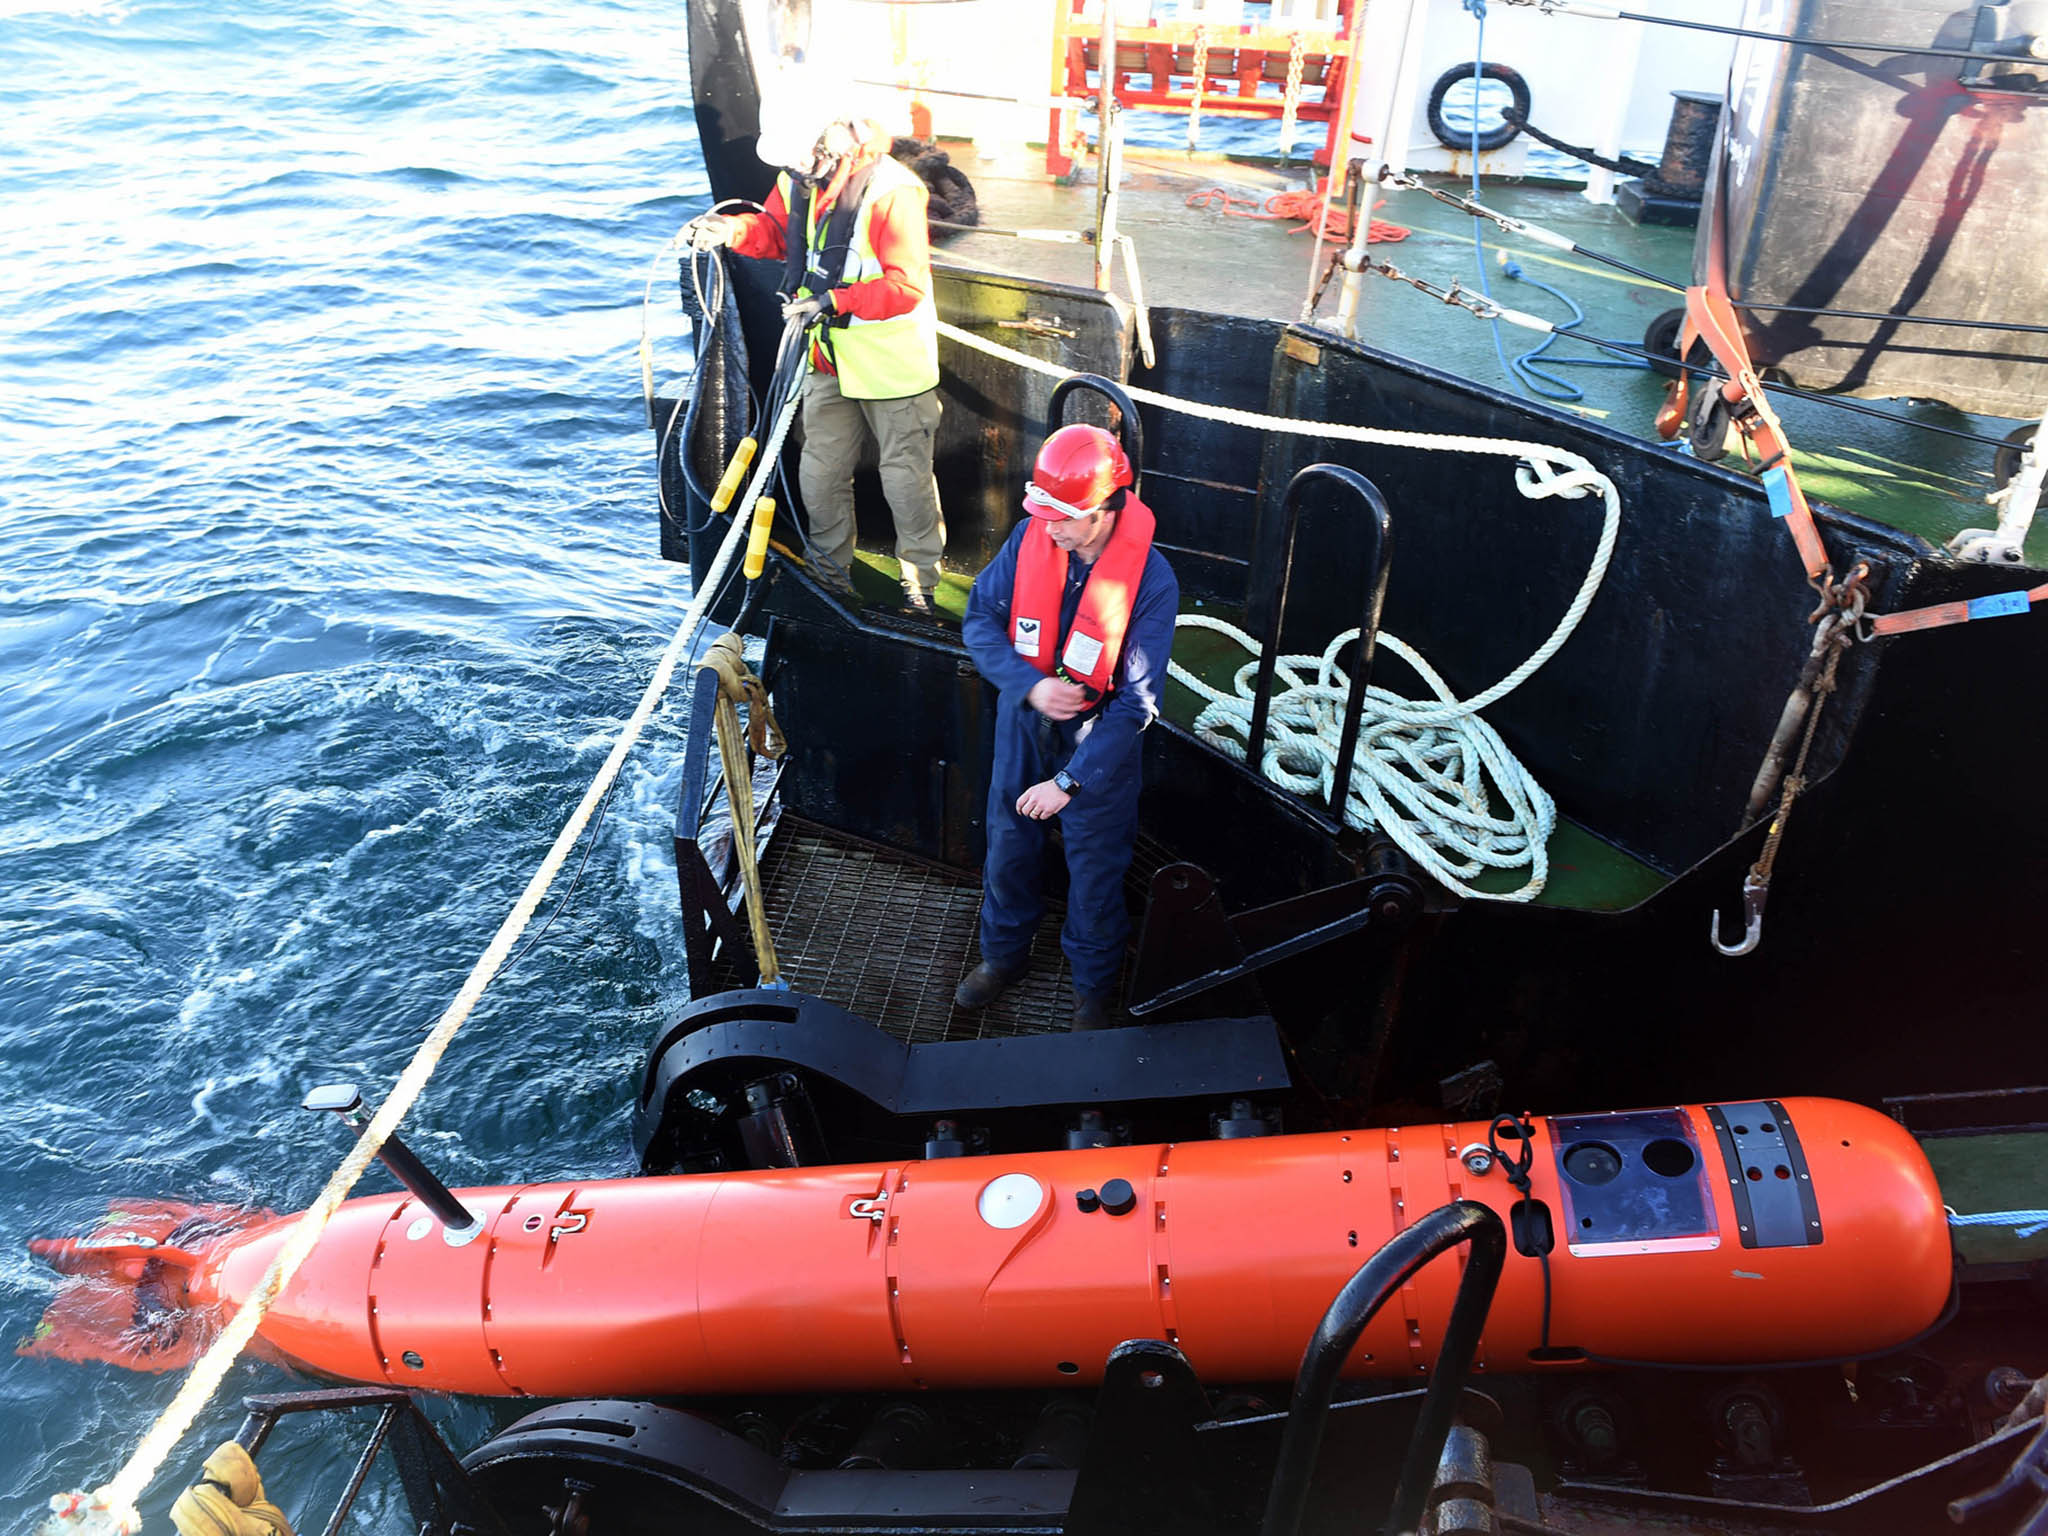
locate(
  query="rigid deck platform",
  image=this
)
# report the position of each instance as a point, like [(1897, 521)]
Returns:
[(888, 937)]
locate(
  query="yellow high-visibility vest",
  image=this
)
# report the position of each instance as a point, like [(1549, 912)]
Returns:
[(876, 359)]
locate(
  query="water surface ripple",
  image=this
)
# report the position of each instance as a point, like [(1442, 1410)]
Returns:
[(327, 575)]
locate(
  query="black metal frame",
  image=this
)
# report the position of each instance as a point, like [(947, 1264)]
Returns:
[(714, 1047), (1188, 946), (439, 1493), (1375, 535), (1357, 1304)]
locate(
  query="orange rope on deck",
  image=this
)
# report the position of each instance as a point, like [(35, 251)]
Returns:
[(1305, 206)]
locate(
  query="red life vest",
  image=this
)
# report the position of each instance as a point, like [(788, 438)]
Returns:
[(1097, 638)]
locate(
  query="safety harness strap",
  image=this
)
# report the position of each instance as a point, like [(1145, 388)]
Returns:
[(828, 261), (807, 262), (796, 251)]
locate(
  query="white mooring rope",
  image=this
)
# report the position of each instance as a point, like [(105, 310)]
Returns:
[(1422, 770), (1421, 780), (112, 1507)]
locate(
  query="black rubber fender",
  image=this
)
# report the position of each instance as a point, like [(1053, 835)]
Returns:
[(1491, 138), (1660, 340)]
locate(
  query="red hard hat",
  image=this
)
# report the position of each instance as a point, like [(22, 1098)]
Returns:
[(1079, 468)]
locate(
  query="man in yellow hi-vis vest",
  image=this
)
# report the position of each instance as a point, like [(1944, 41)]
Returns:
[(865, 265)]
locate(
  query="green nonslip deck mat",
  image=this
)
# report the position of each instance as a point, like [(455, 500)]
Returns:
[(1994, 1171)]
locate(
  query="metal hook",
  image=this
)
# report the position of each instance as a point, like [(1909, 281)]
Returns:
[(1754, 891)]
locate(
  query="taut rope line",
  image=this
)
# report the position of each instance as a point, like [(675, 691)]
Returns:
[(114, 1503), (1545, 471)]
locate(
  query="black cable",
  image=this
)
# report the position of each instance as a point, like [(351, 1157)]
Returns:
[(1872, 314), (1623, 165), (1666, 360), (1517, 1171), (724, 585), (589, 846), (1479, 210), (1824, 42), (1621, 266), (1087, 235)]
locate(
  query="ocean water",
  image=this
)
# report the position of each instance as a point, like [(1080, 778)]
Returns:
[(328, 573)]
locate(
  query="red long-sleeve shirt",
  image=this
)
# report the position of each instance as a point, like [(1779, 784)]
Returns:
[(896, 228)]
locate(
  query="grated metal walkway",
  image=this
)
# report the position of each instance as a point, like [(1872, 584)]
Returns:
[(888, 938)]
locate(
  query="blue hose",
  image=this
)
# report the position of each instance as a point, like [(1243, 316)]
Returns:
[(1526, 367), (2022, 1223), (1523, 370)]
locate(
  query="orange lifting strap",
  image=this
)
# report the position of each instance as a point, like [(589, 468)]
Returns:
[(1709, 316)]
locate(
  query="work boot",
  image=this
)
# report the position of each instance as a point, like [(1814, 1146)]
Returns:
[(839, 583), (1091, 1011), (983, 985), (915, 601)]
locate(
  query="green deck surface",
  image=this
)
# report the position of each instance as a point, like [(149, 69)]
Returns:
[(1921, 482), (2002, 1171), (878, 578)]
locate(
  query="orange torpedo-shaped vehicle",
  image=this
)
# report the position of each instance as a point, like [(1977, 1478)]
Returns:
[(1715, 1234)]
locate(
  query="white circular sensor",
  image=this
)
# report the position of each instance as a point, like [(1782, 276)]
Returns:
[(420, 1227), (1011, 1200)]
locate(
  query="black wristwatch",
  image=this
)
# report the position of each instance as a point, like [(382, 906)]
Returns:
[(1066, 783)]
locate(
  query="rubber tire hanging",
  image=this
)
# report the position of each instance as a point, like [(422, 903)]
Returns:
[(1492, 138)]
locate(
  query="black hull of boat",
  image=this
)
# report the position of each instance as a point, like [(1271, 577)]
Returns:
[(1902, 910), (1647, 727)]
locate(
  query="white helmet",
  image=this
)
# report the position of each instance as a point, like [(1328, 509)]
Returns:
[(799, 111)]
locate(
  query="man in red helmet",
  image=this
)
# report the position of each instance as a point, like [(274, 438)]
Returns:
[(1072, 622)]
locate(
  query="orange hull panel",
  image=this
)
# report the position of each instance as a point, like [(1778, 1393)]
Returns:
[(988, 1272)]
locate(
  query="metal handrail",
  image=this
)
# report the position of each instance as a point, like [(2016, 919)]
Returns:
[(1376, 531), (1130, 432), (1375, 1283), (437, 1489)]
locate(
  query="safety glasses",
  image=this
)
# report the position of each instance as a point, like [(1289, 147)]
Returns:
[(1040, 502)]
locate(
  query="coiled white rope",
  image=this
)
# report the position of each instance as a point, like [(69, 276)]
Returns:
[(1420, 773), (1422, 768), (112, 1507)]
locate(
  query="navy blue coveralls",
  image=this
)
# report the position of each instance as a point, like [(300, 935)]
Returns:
[(1098, 748)]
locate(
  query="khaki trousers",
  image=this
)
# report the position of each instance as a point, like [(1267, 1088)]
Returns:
[(904, 430)]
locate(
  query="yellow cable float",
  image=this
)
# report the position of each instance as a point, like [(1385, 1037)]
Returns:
[(757, 537), (735, 472)]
